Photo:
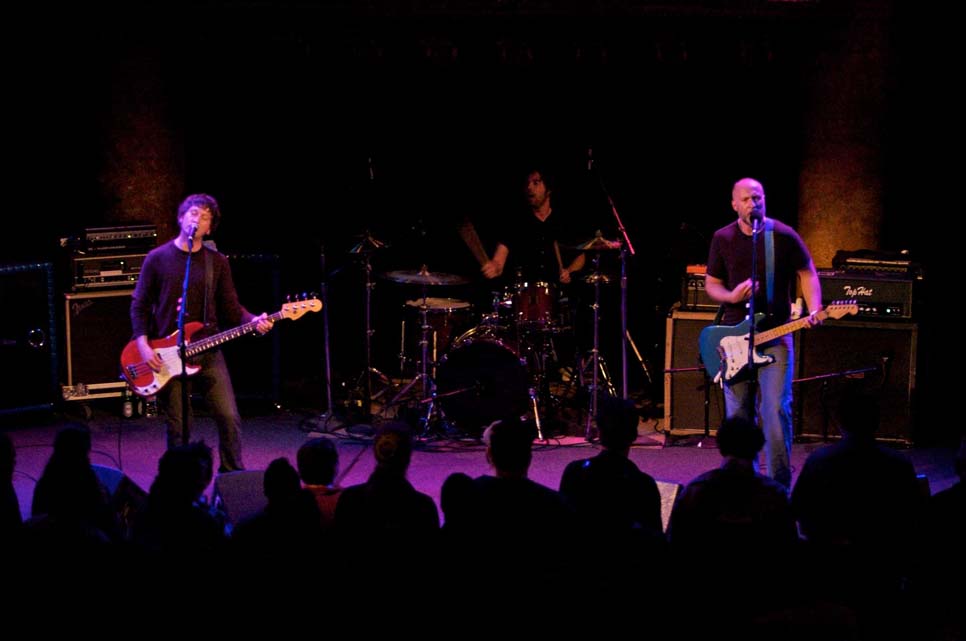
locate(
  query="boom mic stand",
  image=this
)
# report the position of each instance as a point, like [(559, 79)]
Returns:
[(626, 248)]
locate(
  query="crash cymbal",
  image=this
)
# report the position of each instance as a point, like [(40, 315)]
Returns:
[(598, 243), (424, 277)]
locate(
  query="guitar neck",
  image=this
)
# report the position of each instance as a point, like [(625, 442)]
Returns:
[(221, 338), (787, 328)]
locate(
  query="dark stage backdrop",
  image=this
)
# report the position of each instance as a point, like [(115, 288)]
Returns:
[(313, 125)]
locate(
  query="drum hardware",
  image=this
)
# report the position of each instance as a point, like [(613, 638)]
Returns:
[(590, 430), (446, 317), (428, 397), (366, 246), (536, 413), (640, 359), (598, 243)]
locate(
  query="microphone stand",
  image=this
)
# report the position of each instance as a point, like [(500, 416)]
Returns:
[(626, 248), (182, 341), (324, 292), (756, 227)]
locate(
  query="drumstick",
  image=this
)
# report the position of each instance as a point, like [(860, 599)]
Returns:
[(472, 240), (556, 250)]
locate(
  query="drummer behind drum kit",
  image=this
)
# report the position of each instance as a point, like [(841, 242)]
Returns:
[(471, 375)]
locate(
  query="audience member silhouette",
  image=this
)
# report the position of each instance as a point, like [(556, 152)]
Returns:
[(942, 590), (70, 507), (858, 503), (288, 528), (10, 517), (318, 463), (387, 504), (726, 521), (176, 523), (458, 499), (518, 527), (386, 520), (857, 492), (733, 505), (612, 496)]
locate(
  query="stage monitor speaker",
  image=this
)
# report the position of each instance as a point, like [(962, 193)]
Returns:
[(28, 338), (684, 379), (97, 327), (240, 494), (838, 347), (669, 494)]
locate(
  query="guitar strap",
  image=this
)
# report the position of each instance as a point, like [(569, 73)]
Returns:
[(769, 270), (770, 262), (209, 277)]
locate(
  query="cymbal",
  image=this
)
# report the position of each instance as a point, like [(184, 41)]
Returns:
[(598, 243), (603, 279), (424, 277), (367, 244)]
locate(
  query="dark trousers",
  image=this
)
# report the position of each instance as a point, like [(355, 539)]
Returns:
[(215, 382)]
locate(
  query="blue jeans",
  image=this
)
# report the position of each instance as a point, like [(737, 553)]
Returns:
[(774, 406), (220, 397)]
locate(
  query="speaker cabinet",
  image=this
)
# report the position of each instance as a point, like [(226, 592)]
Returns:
[(684, 377), (28, 338), (97, 327), (835, 354)]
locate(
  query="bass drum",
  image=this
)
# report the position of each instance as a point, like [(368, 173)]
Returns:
[(482, 379)]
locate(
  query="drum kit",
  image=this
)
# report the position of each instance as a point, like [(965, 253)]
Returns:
[(468, 375)]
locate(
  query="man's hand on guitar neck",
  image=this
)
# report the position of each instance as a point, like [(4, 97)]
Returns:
[(815, 318), (264, 325)]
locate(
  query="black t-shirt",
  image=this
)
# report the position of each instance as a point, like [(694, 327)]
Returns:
[(730, 260), (531, 245)]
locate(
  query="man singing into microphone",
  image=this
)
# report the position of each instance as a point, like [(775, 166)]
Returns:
[(728, 281), (213, 301)]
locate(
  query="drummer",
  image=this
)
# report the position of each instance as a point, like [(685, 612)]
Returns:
[(535, 251)]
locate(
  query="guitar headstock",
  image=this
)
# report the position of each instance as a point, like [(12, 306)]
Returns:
[(297, 308), (840, 308)]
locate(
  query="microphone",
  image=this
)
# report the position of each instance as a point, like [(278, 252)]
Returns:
[(192, 230), (757, 214)]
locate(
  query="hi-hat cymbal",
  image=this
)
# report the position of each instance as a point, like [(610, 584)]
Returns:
[(598, 243), (424, 277)]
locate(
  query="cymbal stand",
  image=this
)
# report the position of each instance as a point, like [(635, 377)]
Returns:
[(365, 247), (590, 431), (423, 375), (536, 357)]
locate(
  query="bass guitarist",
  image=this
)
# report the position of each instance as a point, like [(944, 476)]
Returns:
[(728, 282), (212, 300)]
